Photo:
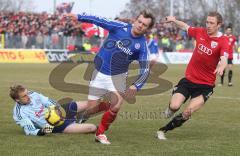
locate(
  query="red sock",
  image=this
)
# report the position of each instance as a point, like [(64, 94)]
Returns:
[(107, 118)]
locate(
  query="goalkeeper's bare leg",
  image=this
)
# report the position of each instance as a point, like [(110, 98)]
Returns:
[(80, 128), (70, 124)]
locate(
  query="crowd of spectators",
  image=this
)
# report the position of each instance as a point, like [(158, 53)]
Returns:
[(51, 31), (31, 30), (169, 37)]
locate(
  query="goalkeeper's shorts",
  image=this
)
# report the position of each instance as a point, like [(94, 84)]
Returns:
[(71, 112)]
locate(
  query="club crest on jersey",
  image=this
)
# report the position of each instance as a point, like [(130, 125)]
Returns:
[(214, 44), (137, 45)]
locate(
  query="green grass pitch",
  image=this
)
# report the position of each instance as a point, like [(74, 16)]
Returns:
[(213, 130)]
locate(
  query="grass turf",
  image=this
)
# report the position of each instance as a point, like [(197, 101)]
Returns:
[(213, 130)]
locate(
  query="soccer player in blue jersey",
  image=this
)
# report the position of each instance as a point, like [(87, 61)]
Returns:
[(153, 48), (28, 112), (124, 44)]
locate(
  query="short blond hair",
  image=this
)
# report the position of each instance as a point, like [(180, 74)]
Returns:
[(217, 15), (15, 90)]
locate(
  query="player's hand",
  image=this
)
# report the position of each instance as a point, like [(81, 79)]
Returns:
[(131, 92), (170, 19), (47, 129), (219, 71)]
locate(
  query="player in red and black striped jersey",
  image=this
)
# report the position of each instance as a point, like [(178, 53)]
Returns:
[(232, 47), (200, 75)]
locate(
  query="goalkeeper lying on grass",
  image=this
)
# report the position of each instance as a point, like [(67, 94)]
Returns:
[(29, 113)]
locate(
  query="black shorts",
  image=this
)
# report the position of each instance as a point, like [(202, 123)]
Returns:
[(230, 61), (192, 90), (71, 112)]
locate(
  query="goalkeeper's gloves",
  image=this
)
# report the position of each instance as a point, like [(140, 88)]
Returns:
[(45, 130)]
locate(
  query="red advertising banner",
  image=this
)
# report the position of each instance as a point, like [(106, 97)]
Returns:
[(22, 56)]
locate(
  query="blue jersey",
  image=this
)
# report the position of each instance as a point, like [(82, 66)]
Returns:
[(153, 46), (119, 49), (31, 116)]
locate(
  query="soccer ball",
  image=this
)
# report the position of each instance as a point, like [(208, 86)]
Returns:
[(55, 115)]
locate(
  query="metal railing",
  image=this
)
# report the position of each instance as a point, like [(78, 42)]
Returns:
[(56, 41)]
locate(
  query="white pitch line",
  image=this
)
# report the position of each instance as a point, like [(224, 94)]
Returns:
[(225, 97)]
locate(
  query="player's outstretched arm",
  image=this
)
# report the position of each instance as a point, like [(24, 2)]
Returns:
[(97, 20), (180, 24)]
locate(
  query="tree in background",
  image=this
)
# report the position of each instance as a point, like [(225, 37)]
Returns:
[(188, 9), (16, 5)]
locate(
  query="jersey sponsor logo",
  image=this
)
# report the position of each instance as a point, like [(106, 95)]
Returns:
[(120, 44), (214, 44), (126, 50), (38, 114), (205, 49), (137, 45)]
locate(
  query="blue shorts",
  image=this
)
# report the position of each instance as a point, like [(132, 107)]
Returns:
[(71, 112)]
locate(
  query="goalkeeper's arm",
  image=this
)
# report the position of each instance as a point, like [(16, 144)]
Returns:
[(30, 129)]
